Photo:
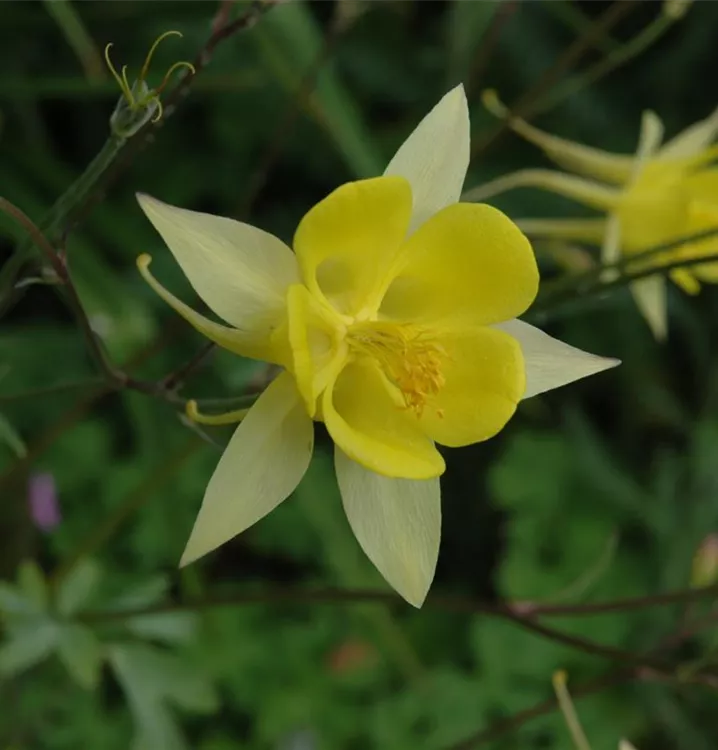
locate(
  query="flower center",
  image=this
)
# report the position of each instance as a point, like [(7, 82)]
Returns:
[(408, 355)]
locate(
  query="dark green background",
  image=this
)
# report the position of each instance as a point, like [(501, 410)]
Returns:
[(628, 455)]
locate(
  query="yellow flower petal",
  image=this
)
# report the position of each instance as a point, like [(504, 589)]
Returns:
[(592, 162), (374, 428), (346, 242), (551, 363), (435, 157), (397, 522), (650, 296), (318, 352), (466, 261), (239, 271), (652, 213), (484, 381), (247, 343), (702, 189), (684, 278), (262, 465)]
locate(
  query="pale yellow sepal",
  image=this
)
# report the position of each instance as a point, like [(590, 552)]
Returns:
[(693, 139), (397, 522), (247, 344), (240, 272), (435, 157), (262, 465), (650, 296), (551, 363)]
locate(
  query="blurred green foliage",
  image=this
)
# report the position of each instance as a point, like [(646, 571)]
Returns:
[(601, 490)]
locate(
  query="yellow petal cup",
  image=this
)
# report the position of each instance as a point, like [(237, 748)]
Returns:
[(394, 320)]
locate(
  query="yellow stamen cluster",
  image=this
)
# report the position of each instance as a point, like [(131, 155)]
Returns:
[(408, 355)]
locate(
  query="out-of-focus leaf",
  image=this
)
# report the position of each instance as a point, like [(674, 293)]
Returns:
[(81, 653), (28, 647), (291, 44), (13, 602), (32, 583), (151, 679), (143, 594), (171, 627), (11, 437), (78, 587), (155, 727)]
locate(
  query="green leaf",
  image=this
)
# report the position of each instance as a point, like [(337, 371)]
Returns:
[(10, 436), (171, 627), (31, 581), (152, 678), (28, 647), (144, 594), (78, 587), (81, 653), (13, 602)]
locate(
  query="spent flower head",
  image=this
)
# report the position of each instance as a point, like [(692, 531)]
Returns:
[(140, 103), (393, 321), (663, 193)]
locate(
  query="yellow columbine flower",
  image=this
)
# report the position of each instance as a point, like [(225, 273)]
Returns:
[(394, 323), (657, 196)]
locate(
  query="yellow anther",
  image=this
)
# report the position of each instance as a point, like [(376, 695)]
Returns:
[(409, 357), (229, 417)]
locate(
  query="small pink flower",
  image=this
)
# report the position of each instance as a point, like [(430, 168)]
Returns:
[(42, 497)]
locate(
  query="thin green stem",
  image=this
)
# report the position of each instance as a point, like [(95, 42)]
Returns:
[(580, 293), (527, 103), (76, 198), (59, 215), (444, 603), (575, 288), (51, 390), (576, 20), (78, 37), (339, 596), (642, 41)]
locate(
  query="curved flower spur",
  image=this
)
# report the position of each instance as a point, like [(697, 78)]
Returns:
[(394, 321)]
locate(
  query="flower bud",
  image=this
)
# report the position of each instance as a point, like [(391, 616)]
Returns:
[(705, 563)]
